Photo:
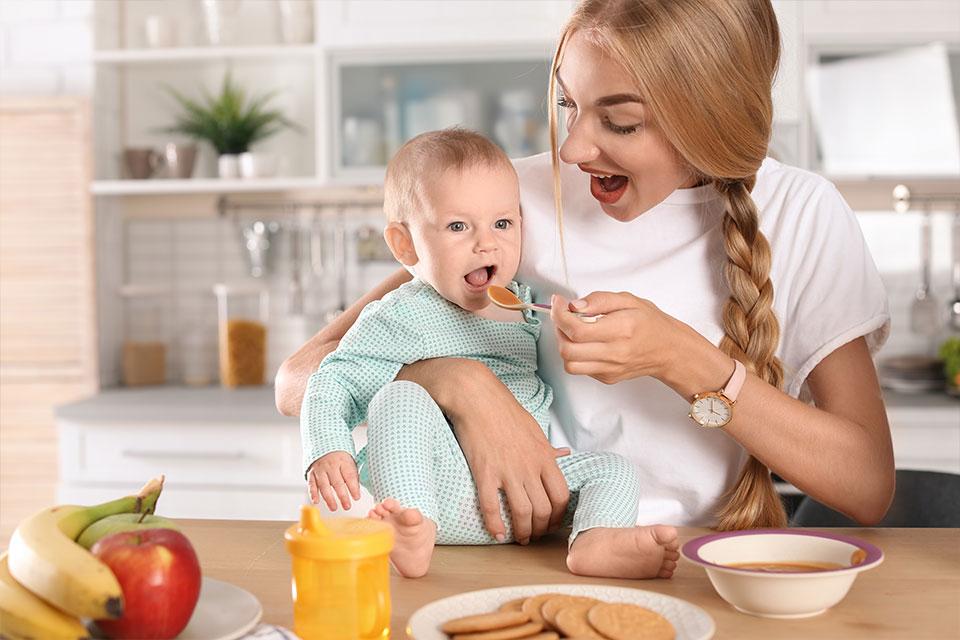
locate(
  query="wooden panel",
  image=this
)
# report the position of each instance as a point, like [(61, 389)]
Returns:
[(47, 314)]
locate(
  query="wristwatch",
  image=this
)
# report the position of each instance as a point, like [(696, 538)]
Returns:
[(714, 409)]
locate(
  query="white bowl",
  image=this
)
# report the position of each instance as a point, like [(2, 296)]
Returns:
[(780, 595)]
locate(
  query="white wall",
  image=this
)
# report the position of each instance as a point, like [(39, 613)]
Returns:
[(45, 47)]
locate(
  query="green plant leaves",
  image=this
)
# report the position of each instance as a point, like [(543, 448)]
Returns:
[(229, 121)]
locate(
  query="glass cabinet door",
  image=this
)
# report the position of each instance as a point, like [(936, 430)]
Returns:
[(380, 105)]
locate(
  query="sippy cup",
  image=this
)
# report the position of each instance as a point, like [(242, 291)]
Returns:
[(341, 577)]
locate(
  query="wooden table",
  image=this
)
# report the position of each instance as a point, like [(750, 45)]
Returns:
[(914, 594)]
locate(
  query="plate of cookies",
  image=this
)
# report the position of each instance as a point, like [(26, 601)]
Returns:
[(554, 611)]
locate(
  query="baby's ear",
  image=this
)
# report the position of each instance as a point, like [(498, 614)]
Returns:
[(398, 238)]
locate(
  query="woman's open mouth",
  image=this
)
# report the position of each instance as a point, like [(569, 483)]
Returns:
[(608, 189), (478, 279)]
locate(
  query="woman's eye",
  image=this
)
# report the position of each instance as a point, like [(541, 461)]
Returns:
[(503, 224), (563, 103), (618, 129), (456, 226)]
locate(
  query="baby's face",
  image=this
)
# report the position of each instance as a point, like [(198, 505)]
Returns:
[(469, 235)]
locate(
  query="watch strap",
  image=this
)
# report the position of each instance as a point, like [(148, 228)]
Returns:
[(735, 383)]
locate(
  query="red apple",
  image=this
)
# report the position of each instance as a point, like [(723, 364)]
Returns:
[(160, 577)]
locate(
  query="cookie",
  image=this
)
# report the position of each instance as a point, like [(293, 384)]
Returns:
[(572, 621), (509, 633), (628, 622), (512, 605), (485, 622), (552, 607), (531, 606)]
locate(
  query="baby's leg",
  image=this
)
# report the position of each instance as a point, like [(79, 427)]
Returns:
[(418, 473), (606, 541)]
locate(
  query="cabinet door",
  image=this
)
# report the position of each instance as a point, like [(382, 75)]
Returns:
[(824, 19), (47, 337), (419, 22)]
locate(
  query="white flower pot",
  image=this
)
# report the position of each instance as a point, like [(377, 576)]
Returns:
[(258, 165), (228, 166)]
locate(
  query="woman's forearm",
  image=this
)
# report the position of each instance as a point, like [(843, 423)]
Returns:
[(291, 379), (839, 452)]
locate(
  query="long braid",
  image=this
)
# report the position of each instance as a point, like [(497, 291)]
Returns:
[(751, 335)]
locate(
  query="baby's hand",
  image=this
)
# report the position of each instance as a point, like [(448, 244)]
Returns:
[(333, 475)]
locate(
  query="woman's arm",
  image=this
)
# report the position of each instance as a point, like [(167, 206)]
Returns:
[(291, 380), (839, 452)]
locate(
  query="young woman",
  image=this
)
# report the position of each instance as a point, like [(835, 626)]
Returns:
[(747, 290)]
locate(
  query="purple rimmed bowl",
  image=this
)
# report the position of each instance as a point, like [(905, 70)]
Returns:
[(776, 594)]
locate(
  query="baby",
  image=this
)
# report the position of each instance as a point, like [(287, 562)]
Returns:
[(453, 209)]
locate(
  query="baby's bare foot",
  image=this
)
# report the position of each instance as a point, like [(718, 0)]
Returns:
[(414, 536), (630, 552)]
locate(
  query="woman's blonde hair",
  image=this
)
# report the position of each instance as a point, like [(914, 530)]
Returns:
[(705, 69)]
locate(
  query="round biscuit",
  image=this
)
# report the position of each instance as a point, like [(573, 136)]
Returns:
[(484, 622), (508, 633), (618, 621), (512, 605), (572, 621), (531, 606), (552, 607)]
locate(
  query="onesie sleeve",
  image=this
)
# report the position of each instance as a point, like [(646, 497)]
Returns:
[(830, 286), (368, 357)]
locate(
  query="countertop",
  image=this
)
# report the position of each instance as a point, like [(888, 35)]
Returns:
[(914, 594), (256, 404)]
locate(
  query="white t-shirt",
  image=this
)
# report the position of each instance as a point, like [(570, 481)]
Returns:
[(827, 292)]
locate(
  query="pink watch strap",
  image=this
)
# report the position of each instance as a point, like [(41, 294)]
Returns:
[(735, 383)]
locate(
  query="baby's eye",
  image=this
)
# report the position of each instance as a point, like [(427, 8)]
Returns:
[(457, 227), (503, 224)]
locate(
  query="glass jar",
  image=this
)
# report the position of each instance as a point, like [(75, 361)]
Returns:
[(242, 314), (143, 359)]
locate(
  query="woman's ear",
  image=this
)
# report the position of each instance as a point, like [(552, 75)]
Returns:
[(398, 238)]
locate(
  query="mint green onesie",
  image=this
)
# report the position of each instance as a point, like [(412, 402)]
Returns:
[(412, 454)]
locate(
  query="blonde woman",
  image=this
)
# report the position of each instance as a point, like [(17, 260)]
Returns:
[(748, 298)]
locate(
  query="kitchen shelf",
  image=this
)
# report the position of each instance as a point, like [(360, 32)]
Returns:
[(185, 54), (200, 185)]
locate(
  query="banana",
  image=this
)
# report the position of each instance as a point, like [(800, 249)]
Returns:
[(45, 558), (24, 616)]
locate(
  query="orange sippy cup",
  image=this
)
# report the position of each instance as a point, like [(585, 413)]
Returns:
[(341, 577)]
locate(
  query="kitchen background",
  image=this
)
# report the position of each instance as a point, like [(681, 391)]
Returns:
[(128, 251)]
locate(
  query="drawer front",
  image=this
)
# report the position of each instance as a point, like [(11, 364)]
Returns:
[(196, 454)]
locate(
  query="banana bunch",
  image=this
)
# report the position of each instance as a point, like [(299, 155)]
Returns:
[(48, 581)]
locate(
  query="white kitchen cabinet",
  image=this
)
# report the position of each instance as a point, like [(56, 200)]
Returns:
[(379, 23), (851, 20)]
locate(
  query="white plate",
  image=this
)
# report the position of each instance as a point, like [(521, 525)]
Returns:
[(224, 612), (690, 621)]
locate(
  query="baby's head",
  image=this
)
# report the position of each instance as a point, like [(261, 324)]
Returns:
[(452, 201)]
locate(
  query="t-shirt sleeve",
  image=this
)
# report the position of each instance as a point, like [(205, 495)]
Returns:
[(832, 290)]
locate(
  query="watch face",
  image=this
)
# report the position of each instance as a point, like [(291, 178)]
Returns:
[(711, 411)]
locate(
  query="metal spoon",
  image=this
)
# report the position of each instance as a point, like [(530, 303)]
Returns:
[(505, 299), (953, 307)]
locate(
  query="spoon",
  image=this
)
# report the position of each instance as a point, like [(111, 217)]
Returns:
[(505, 299)]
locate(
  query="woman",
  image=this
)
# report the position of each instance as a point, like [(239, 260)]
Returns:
[(661, 189)]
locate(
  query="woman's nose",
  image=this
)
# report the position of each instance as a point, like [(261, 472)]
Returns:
[(578, 147)]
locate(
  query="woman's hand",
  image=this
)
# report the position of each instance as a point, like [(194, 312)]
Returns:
[(633, 338), (504, 446)]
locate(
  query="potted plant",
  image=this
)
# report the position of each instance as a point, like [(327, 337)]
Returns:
[(232, 123)]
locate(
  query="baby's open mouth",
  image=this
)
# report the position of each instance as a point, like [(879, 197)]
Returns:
[(480, 277)]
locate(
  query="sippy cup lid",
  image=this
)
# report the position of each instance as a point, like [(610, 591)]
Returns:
[(337, 538)]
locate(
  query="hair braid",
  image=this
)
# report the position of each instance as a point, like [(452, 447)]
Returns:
[(751, 335)]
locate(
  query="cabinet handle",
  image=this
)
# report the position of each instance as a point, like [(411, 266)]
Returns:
[(206, 455)]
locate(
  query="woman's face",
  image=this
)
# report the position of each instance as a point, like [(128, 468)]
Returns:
[(611, 132)]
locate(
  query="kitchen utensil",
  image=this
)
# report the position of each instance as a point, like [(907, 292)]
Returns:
[(953, 307), (178, 160), (925, 309), (295, 289), (341, 577), (690, 621), (141, 162), (777, 594), (505, 299), (258, 243)]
